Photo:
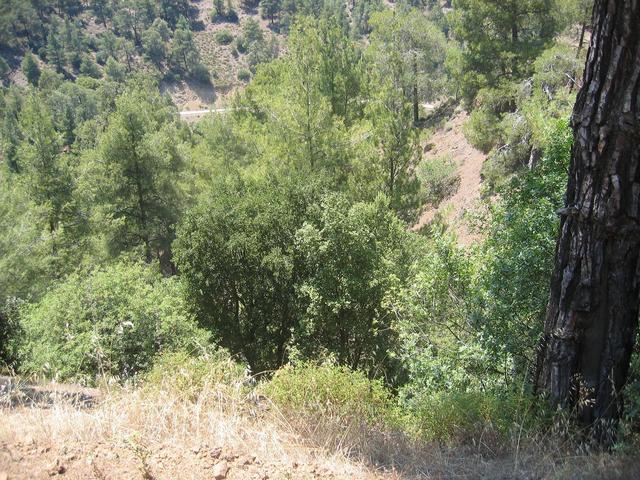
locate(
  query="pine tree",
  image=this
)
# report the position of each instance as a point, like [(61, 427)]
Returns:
[(184, 52), (501, 39), (134, 171), (30, 68)]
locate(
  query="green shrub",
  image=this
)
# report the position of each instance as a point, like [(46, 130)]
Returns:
[(111, 321), (4, 67), (9, 332), (439, 178), (232, 15), (241, 45), (630, 425), (482, 129), (244, 75), (516, 259), (90, 68), (224, 37), (201, 73), (30, 68), (332, 405)]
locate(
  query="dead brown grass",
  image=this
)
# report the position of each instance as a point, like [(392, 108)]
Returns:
[(142, 433), (165, 432)]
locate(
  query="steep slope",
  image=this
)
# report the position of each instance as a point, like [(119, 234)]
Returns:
[(450, 141)]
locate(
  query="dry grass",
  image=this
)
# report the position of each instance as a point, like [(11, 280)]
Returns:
[(176, 430), (159, 433)]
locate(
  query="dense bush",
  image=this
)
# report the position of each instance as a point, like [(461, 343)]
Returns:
[(244, 75), (9, 333), (90, 68), (201, 73), (516, 260), (458, 417), (439, 178), (354, 255), (224, 37), (111, 321), (439, 348), (235, 251), (30, 68)]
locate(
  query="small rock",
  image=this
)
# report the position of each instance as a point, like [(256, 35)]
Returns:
[(220, 470), (215, 452), (57, 468), (246, 459), (4, 476)]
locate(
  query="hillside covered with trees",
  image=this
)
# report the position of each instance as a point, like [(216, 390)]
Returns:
[(274, 256)]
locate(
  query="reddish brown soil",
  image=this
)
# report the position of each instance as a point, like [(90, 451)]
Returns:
[(449, 140)]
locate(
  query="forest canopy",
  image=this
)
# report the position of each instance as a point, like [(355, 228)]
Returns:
[(285, 229)]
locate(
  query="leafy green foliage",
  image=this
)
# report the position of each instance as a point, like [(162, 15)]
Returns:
[(235, 252), (408, 50), (463, 418), (131, 175), (10, 333), (46, 177), (510, 122), (344, 310), (510, 33), (224, 37), (109, 321), (438, 346), (154, 45), (30, 69), (517, 257), (244, 75), (184, 53), (292, 209), (398, 151)]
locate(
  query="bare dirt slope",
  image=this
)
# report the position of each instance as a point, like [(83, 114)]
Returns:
[(449, 140)]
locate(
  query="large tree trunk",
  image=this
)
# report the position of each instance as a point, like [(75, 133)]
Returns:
[(592, 315)]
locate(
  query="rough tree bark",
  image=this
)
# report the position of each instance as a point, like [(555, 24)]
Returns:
[(592, 315)]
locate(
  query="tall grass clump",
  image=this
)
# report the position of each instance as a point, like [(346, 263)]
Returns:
[(335, 408), (213, 374), (455, 418)]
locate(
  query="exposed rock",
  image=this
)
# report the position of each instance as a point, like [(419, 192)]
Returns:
[(57, 468), (221, 470)]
